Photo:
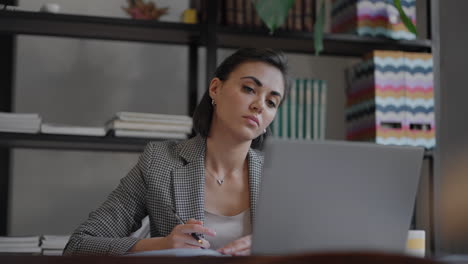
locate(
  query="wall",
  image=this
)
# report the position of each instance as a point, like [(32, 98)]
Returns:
[(451, 163)]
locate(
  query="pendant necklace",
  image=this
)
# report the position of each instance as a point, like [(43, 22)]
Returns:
[(218, 180)]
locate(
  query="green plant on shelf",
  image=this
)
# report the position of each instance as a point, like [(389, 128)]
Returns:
[(274, 13)]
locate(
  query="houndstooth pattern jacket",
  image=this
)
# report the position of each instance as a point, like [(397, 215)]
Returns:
[(167, 173)]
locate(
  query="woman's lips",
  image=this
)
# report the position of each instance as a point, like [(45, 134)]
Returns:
[(252, 120)]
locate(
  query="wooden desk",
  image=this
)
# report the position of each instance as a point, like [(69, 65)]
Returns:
[(325, 258)]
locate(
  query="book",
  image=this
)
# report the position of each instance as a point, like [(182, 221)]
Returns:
[(61, 129), (20, 123), (20, 244), (309, 10), (316, 109), (323, 109), (298, 16), (54, 242), (52, 252), (240, 13), (230, 12), (151, 116), (300, 110), (147, 126), (19, 240), (292, 112), (28, 250), (148, 134), (308, 110)]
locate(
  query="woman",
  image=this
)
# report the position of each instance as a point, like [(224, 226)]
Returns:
[(212, 180)]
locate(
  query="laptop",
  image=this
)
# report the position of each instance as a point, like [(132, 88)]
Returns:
[(319, 196)]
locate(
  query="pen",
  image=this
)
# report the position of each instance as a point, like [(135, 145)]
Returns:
[(183, 222)]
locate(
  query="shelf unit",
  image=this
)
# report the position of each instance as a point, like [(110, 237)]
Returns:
[(209, 35)]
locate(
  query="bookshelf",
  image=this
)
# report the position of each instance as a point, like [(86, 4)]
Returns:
[(209, 35), (71, 142)]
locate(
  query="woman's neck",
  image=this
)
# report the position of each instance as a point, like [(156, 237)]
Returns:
[(225, 155)]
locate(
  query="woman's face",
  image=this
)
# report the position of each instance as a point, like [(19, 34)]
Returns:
[(246, 103)]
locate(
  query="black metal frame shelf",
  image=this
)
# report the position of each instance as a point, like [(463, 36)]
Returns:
[(303, 42), (88, 143), (107, 28), (73, 142)]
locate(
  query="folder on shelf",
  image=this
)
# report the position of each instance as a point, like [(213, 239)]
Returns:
[(390, 99), (303, 114), (20, 245), (20, 123), (150, 125), (60, 129)]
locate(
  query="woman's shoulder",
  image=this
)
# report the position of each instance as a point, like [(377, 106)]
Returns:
[(174, 150)]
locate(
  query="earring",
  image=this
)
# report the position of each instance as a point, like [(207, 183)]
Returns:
[(213, 102), (264, 131)]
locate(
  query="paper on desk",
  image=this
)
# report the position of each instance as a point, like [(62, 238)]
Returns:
[(178, 252)]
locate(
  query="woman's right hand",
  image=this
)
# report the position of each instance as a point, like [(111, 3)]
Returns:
[(181, 237)]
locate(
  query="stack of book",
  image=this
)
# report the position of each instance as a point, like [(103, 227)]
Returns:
[(20, 123), (148, 125), (303, 114), (242, 14), (20, 245), (372, 18), (61, 129), (53, 245)]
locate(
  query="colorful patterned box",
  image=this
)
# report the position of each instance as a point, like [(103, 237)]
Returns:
[(372, 18), (390, 99)]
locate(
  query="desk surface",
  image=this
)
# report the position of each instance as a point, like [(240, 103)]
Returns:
[(323, 258)]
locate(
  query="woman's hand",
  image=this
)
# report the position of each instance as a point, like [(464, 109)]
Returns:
[(239, 247), (181, 237)]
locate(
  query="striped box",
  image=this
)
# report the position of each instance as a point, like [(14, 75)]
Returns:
[(372, 18), (390, 99)]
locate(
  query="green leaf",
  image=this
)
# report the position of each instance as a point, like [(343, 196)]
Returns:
[(273, 12), (318, 30), (404, 18)]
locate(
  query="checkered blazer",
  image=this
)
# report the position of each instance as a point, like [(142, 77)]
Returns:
[(167, 173)]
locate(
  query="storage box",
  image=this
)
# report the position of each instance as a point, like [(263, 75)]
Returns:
[(372, 18), (390, 99)]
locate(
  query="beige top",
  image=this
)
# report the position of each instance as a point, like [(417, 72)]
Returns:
[(228, 228)]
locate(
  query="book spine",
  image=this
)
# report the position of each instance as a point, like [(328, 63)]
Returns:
[(308, 109), (151, 127), (240, 11), (300, 110), (323, 108), (285, 119), (316, 108), (279, 119), (308, 15), (248, 17), (298, 118), (292, 113), (230, 12), (298, 15)]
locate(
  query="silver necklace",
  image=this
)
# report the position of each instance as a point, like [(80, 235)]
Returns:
[(218, 180)]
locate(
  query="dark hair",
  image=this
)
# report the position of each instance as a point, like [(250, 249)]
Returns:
[(204, 112)]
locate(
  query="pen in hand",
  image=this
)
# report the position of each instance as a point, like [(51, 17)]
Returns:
[(183, 222)]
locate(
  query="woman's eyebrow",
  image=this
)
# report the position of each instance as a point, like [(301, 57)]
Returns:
[(257, 81), (275, 93)]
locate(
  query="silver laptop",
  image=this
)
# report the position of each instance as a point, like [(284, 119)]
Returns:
[(335, 196)]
